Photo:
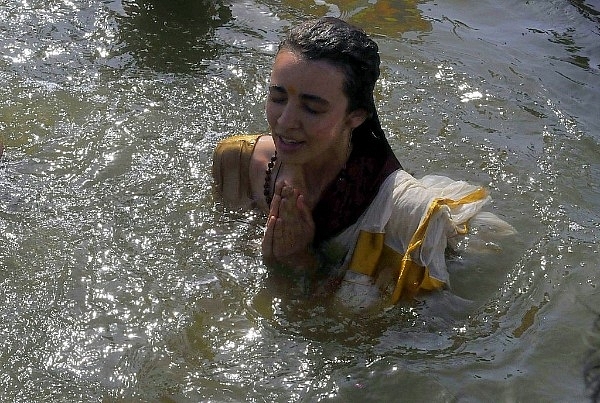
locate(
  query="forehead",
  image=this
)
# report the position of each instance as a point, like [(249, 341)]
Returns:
[(291, 70)]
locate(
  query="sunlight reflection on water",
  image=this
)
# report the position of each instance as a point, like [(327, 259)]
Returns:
[(121, 277)]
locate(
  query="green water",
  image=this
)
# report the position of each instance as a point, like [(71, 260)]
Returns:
[(123, 279)]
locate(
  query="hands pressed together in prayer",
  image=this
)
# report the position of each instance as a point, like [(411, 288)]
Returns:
[(290, 231)]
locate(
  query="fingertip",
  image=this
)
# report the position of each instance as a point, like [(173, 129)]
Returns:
[(279, 185), (302, 201)]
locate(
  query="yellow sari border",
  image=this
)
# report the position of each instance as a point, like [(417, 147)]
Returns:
[(372, 257)]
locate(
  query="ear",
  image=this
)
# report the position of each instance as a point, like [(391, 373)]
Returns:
[(357, 117)]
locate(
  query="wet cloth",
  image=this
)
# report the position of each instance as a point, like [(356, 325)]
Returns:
[(397, 247), (385, 231), (234, 185)]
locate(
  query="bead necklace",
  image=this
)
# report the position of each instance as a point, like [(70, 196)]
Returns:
[(268, 172), (342, 176)]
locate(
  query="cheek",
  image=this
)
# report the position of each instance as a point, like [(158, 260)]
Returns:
[(271, 112), (326, 127)]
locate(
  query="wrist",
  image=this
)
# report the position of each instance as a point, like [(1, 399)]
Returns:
[(306, 260), (302, 262)]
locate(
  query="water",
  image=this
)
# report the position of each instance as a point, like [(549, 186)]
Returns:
[(123, 279)]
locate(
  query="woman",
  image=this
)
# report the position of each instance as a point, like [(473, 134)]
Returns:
[(339, 204)]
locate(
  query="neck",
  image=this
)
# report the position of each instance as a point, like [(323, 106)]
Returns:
[(311, 179)]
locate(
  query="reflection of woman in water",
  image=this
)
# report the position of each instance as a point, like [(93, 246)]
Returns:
[(341, 210)]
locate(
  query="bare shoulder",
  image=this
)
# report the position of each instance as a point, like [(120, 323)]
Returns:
[(234, 168), (263, 151)]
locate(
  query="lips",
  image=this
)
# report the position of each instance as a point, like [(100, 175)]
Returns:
[(286, 144), (285, 140)]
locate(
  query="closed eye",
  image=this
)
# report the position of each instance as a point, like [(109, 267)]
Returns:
[(277, 99), (277, 94), (312, 110), (314, 104)]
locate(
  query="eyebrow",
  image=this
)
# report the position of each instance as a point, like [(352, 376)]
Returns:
[(306, 97)]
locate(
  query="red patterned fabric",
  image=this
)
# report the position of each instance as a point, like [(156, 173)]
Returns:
[(349, 195)]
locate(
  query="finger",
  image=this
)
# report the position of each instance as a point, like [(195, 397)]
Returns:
[(278, 229), (267, 243), (275, 205), (280, 239), (286, 208), (287, 191), (279, 186), (304, 211), (268, 236), (290, 196)]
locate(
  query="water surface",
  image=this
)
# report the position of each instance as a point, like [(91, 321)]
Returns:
[(123, 278)]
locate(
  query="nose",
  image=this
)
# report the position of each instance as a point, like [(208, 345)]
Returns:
[(288, 119)]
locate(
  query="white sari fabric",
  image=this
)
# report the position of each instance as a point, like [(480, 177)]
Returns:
[(397, 247)]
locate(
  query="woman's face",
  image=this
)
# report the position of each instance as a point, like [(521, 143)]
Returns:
[(307, 110)]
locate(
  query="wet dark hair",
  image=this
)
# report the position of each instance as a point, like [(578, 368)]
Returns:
[(350, 49)]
